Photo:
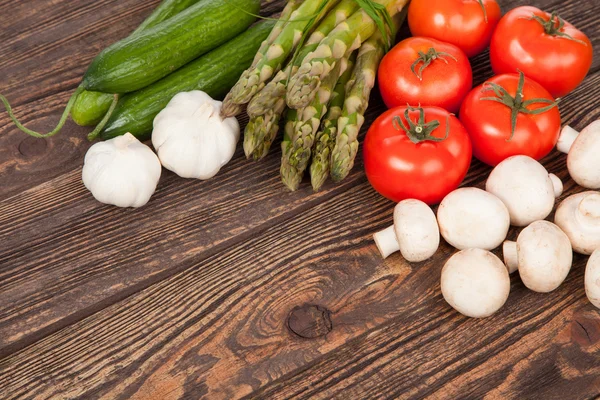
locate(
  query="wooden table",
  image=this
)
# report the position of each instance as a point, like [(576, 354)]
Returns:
[(235, 287)]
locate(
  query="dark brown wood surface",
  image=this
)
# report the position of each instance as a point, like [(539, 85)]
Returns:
[(235, 287)]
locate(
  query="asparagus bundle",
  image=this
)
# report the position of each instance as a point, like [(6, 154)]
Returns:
[(267, 106), (325, 138), (317, 81)]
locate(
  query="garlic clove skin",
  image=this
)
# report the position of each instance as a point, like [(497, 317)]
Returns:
[(579, 217), (122, 171), (191, 138), (592, 279)]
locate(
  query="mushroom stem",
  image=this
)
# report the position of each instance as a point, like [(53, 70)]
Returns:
[(588, 211), (566, 139), (556, 184), (511, 258), (386, 241)]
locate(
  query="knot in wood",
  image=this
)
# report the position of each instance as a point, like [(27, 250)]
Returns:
[(32, 147), (310, 321)]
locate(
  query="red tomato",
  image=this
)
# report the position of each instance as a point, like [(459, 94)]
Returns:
[(490, 126), (468, 24), (427, 72), (425, 164), (556, 56)]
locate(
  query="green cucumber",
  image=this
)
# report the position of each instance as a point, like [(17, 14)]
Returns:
[(214, 73), (142, 59), (90, 107)]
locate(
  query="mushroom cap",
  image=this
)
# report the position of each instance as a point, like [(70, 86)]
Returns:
[(416, 230), (592, 279), (544, 255), (475, 283), (473, 218), (525, 187), (583, 162), (579, 217)]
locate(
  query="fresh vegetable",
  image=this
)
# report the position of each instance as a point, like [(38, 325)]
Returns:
[(191, 138), (583, 150), (352, 118), (473, 218), (475, 283), (545, 47), (346, 36), (525, 187), (213, 73), (579, 217), (142, 59), (468, 24), (267, 106), (122, 171), (414, 232), (326, 137), (510, 115), (300, 128), (422, 153), (271, 61), (542, 254), (90, 107), (592, 279), (427, 72)]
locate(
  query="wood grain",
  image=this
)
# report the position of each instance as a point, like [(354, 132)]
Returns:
[(234, 287)]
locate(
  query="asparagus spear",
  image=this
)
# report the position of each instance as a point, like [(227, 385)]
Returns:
[(271, 60), (355, 104), (346, 36), (301, 127), (262, 130), (325, 138)]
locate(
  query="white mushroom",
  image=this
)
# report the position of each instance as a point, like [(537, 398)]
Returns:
[(415, 232), (583, 149), (542, 254), (525, 187), (475, 283), (592, 279), (579, 217), (473, 218)]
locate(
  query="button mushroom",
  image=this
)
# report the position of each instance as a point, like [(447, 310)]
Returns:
[(592, 279), (542, 254), (475, 283), (415, 232), (525, 187), (583, 149), (473, 218), (579, 217)]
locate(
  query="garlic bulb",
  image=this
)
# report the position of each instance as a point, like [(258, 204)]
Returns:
[(122, 171), (191, 138)]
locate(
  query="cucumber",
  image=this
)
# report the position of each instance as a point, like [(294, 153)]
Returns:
[(214, 73), (90, 107), (142, 59)]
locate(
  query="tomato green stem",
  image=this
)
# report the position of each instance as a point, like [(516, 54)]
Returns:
[(516, 104), (427, 58), (484, 10), (420, 131), (93, 135), (554, 26), (58, 127)]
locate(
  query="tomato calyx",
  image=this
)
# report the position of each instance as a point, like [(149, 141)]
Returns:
[(420, 131), (427, 58), (554, 26), (516, 104)]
